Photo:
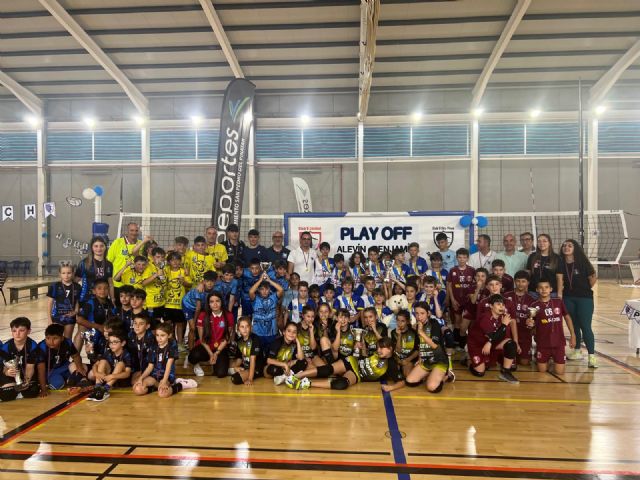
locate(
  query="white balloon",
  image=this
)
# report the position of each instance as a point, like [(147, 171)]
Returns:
[(474, 220), (89, 193)]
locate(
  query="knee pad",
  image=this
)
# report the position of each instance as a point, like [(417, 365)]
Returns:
[(411, 384), (236, 379), (325, 371), (299, 366), (32, 391), (327, 356), (449, 341), (7, 394), (475, 373), (274, 370), (438, 389), (339, 383), (510, 349)]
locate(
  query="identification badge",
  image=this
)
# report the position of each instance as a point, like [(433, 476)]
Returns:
[(125, 252)]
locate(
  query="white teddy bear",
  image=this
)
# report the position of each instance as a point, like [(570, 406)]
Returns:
[(395, 304)]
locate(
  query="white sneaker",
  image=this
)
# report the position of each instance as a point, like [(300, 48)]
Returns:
[(231, 371), (198, 371), (186, 362), (279, 380), (574, 354), (187, 383), (593, 362), (305, 383)]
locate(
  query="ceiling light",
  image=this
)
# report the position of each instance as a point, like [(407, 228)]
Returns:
[(477, 112), (196, 120), (600, 109), (535, 113), (33, 121), (89, 122), (416, 116), (140, 120), (305, 119)]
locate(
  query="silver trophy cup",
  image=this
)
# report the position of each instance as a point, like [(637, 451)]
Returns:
[(16, 364), (388, 265), (265, 266), (89, 340), (533, 311), (357, 333)]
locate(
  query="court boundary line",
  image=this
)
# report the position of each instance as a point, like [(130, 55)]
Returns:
[(318, 465), (394, 432), (515, 457), (41, 419), (619, 363), (114, 465)]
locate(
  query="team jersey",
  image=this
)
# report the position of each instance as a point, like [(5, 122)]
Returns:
[(399, 272), (485, 325), (234, 252), (374, 368), (296, 306), (371, 340), (357, 272), (95, 311), (248, 348), (59, 357), (159, 357), (377, 271), (29, 354), (304, 338), (347, 343), (282, 281), (322, 330), (441, 276), (431, 301), (417, 266), (227, 289), (65, 298), (139, 349), (264, 315), (382, 311), (119, 252), (197, 264), (338, 276), (323, 269), (522, 304), (549, 332), (461, 281), (448, 259), (507, 283), (349, 302), (156, 289), (218, 253), (97, 270), (126, 316), (174, 289), (282, 351), (131, 277), (192, 297), (429, 355), (113, 359), (408, 343), (249, 280), (218, 327)]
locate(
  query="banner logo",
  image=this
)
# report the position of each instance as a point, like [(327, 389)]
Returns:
[(303, 195), (235, 107)]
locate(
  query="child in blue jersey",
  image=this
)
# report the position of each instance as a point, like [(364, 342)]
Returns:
[(24, 351), (265, 302), (194, 301), (113, 369), (291, 292), (95, 266), (94, 312), (125, 310), (366, 297), (417, 265), (64, 299), (323, 266), (281, 274), (398, 271), (436, 271), (348, 300), (357, 270), (448, 256), (61, 360), (160, 372), (250, 276), (329, 298), (227, 285), (376, 269), (139, 343), (339, 272), (435, 300), (298, 303), (381, 308)]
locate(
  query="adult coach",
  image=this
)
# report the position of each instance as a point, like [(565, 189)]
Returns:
[(484, 256), (215, 249), (303, 259), (120, 251), (277, 250), (514, 261)]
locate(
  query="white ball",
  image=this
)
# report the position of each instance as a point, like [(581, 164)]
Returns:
[(89, 193), (474, 220)]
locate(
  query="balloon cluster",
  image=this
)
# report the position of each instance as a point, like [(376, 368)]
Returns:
[(91, 193), (478, 221)]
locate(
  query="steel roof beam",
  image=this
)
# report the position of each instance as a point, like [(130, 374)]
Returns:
[(222, 38), (602, 87)]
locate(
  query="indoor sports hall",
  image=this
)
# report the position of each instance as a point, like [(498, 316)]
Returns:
[(296, 239)]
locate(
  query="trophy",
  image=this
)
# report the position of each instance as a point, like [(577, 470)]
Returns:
[(388, 265), (357, 333), (161, 266), (533, 311), (16, 363), (89, 340), (265, 266)]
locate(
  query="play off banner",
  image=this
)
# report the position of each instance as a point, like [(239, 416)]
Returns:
[(356, 232), (236, 123)]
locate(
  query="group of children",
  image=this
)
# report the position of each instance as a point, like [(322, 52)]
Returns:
[(258, 320)]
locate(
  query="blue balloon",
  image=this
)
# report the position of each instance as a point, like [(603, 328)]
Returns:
[(44, 235), (473, 248), (99, 190), (45, 254), (465, 221), (482, 221)]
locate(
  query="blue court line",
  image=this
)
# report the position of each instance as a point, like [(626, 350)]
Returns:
[(396, 439)]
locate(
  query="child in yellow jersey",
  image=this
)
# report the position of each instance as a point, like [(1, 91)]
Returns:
[(181, 246), (177, 280), (133, 272), (154, 283), (198, 261)]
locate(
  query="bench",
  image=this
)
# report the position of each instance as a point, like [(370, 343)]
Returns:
[(33, 287)]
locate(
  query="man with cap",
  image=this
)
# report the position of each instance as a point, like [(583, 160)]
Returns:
[(233, 244), (254, 249)]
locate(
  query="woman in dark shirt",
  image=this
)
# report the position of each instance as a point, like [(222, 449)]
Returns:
[(544, 263), (578, 278)]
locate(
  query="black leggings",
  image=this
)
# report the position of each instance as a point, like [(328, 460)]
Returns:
[(199, 354), (276, 371)]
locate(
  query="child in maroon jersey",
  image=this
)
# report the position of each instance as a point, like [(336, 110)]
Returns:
[(473, 292), (459, 280), (549, 333), (497, 268), (490, 338), (522, 300)]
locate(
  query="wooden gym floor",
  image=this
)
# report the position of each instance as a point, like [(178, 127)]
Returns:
[(582, 426)]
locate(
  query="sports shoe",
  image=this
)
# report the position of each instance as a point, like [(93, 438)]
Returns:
[(198, 371), (293, 382), (182, 348), (593, 362), (186, 362), (304, 384), (231, 371), (507, 376), (100, 394), (451, 377), (279, 379), (187, 383), (574, 354)]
